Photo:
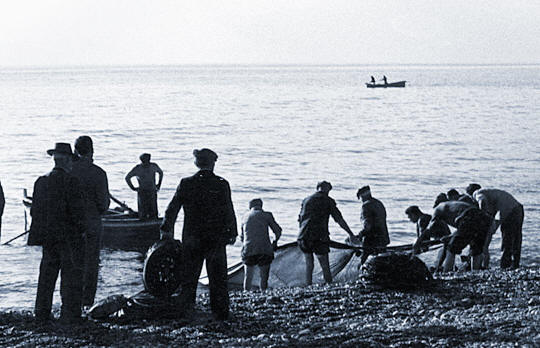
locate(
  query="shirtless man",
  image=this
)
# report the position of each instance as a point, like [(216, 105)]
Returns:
[(472, 228), (145, 172), (437, 232), (511, 218)]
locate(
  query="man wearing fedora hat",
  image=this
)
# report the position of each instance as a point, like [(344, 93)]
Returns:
[(58, 217), (209, 225), (375, 232)]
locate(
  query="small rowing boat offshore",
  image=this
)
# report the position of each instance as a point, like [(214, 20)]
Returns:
[(386, 85), (122, 228)]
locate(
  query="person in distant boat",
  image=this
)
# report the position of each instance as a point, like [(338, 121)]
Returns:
[(511, 219), (385, 80), (437, 232), (145, 172), (314, 237), (58, 225), (2, 204), (441, 197), (472, 226), (257, 249), (375, 232), (209, 225), (95, 189), (373, 80)]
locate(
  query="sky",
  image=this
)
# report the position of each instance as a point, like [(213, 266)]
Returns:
[(122, 32)]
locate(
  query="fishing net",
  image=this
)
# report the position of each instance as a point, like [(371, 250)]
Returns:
[(397, 271)]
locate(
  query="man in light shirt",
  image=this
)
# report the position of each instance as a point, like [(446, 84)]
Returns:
[(511, 217), (257, 249)]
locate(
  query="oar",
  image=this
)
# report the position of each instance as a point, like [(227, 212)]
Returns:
[(121, 204), (12, 239)]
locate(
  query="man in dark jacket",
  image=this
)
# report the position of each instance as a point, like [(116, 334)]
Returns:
[(95, 190), (58, 217), (375, 233), (314, 237), (209, 225)]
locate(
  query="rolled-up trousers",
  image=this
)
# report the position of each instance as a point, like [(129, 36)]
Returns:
[(216, 267), (91, 260), (66, 258)]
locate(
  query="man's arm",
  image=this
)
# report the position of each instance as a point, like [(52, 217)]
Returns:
[(102, 193), (230, 218), (160, 176), (368, 221), (275, 227), (171, 213), (128, 179), (2, 200), (76, 206), (336, 214)]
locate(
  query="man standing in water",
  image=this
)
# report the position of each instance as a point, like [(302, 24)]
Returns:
[(472, 228), (375, 232), (58, 224), (209, 225), (314, 237), (145, 172), (95, 190), (511, 213)]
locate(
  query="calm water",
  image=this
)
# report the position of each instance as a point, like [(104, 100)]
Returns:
[(277, 130)]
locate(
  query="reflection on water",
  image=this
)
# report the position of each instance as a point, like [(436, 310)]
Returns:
[(277, 130)]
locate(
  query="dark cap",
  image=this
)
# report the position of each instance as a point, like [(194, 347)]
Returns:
[(84, 145), (413, 209), (63, 148), (471, 188), (205, 155), (145, 157), (320, 184), (363, 190), (441, 197), (257, 202)]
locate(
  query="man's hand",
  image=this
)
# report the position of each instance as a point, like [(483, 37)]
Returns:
[(231, 241), (164, 235)]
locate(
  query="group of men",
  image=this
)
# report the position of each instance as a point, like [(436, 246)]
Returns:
[(69, 201), (473, 216)]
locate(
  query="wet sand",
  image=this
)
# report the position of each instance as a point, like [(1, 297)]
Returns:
[(487, 308)]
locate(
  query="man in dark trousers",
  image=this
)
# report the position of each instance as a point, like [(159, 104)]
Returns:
[(314, 237), (58, 224), (209, 225), (472, 226), (511, 214), (95, 190), (145, 172), (375, 232)]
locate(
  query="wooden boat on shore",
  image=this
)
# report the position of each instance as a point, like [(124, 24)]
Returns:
[(122, 228), (386, 85)]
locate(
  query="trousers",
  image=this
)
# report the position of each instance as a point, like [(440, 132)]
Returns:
[(147, 204), (91, 260), (511, 229)]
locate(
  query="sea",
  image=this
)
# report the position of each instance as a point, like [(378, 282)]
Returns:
[(278, 130)]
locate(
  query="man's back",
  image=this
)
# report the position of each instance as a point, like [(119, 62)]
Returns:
[(449, 211), (208, 210), (58, 206), (494, 200), (146, 175), (255, 232), (314, 215), (374, 219), (94, 185)]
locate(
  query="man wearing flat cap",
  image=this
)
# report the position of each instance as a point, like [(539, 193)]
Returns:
[(58, 225), (209, 225), (375, 232), (95, 190), (145, 172)]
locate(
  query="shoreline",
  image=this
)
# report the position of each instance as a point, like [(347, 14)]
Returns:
[(484, 308)]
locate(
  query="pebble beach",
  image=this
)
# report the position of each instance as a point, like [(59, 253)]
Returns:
[(492, 308)]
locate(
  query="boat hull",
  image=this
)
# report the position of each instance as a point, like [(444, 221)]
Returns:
[(386, 85)]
